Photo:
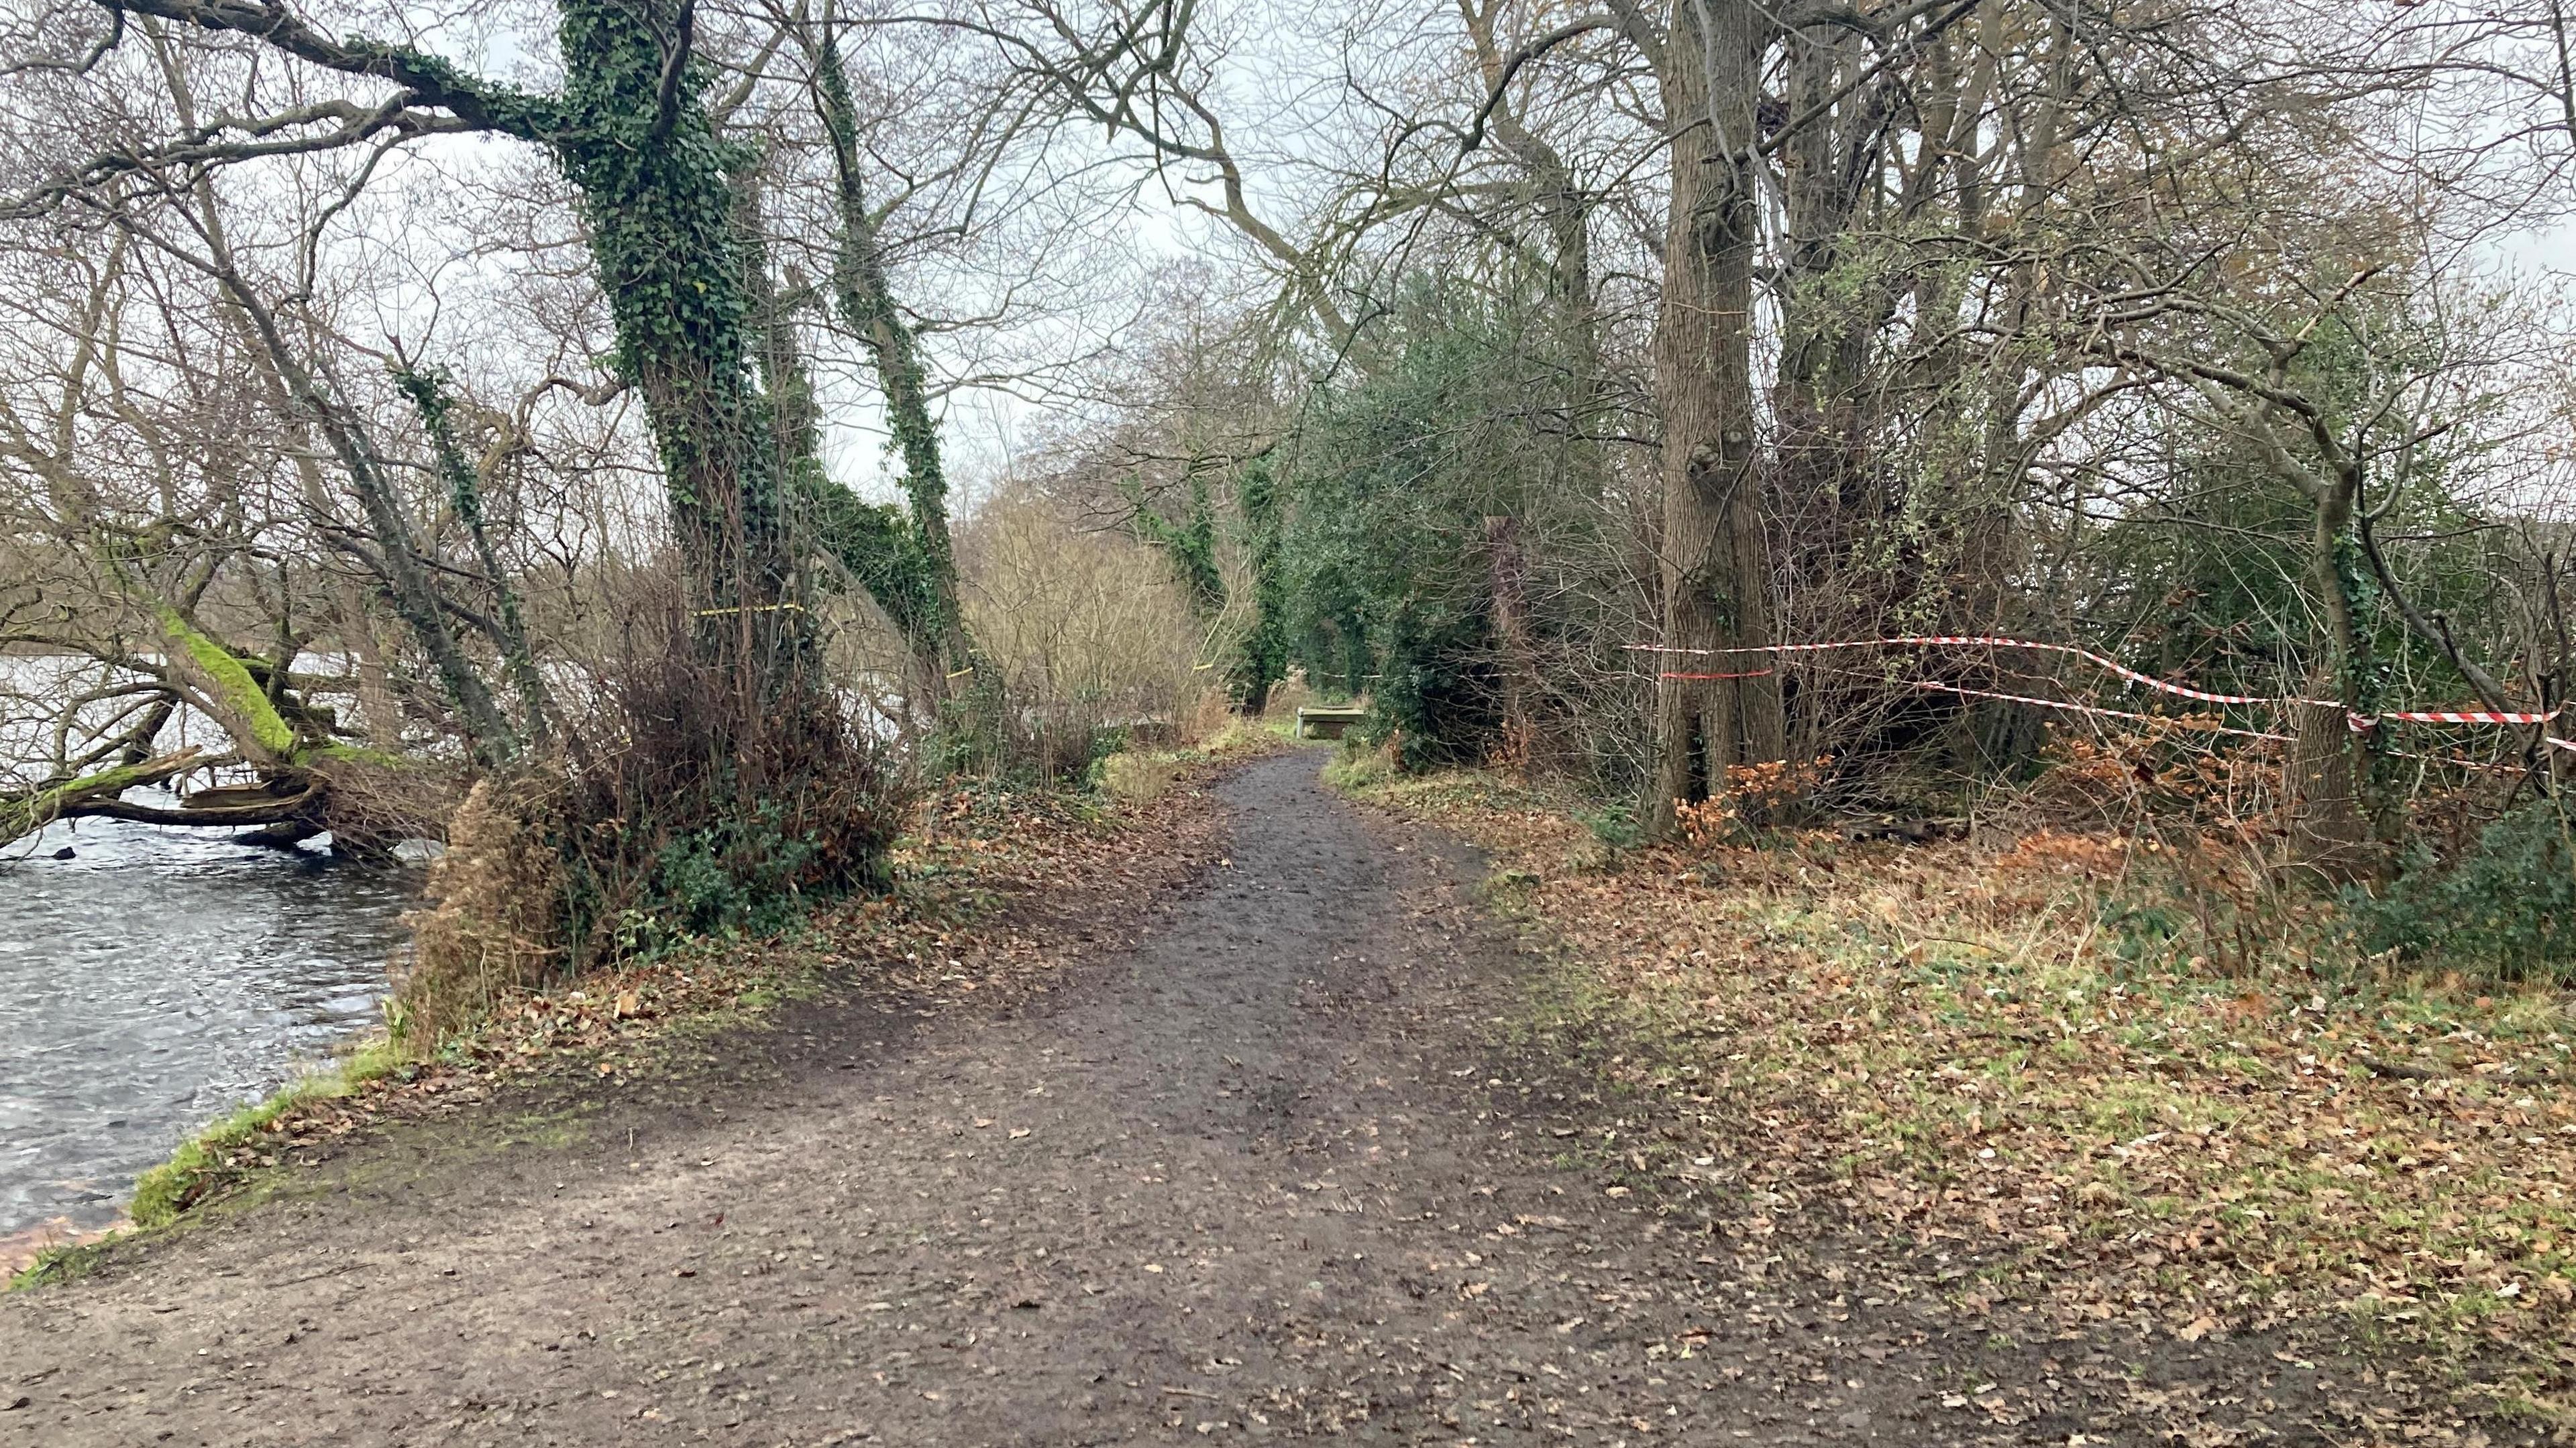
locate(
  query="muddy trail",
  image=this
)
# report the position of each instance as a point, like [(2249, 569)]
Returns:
[(1260, 1166)]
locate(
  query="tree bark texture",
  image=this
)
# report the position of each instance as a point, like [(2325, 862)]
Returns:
[(1716, 563), (2329, 829)]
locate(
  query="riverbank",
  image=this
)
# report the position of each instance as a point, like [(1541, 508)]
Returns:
[(972, 856), (1965, 1049), (152, 978)]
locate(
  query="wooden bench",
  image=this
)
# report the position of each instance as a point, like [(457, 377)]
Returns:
[(1329, 721)]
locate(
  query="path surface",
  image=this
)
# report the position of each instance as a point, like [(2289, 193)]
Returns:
[(1246, 1174)]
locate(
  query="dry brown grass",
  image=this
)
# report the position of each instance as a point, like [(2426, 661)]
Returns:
[(1288, 696), (491, 923)]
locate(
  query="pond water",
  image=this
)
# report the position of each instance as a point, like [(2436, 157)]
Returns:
[(157, 978)]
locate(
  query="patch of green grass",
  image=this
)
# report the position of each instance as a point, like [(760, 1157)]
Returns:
[(1361, 773), (63, 1264), (165, 1191), (1139, 776)]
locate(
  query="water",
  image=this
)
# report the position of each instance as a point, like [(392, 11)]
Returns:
[(154, 981)]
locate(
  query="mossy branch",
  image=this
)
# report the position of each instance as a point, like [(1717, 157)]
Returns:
[(235, 695), (24, 814), (425, 79), (428, 391)]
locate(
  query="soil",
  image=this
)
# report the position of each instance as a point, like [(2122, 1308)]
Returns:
[(1259, 1158)]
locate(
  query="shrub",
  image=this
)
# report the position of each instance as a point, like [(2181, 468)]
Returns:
[(681, 826), (492, 918), (664, 815), (2507, 906), (1137, 778), (1083, 638), (742, 875)]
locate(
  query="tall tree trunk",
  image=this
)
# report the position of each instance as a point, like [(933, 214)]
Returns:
[(1508, 568), (1716, 561), (1564, 208), (637, 140), (2328, 826)]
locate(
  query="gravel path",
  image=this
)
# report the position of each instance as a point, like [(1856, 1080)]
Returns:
[(1251, 1171)]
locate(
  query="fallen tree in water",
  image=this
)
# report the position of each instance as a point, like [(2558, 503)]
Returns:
[(90, 796)]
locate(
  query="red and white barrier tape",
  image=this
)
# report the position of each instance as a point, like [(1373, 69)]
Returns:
[(1919, 641), (2453, 716), (2097, 709), (1746, 674), (2212, 728), (2361, 723)]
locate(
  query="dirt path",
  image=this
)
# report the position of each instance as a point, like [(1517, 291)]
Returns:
[(1247, 1173)]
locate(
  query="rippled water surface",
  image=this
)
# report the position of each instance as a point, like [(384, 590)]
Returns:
[(156, 979)]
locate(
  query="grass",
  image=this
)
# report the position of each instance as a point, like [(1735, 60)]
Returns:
[(167, 1190), (2003, 1051), (1139, 776)]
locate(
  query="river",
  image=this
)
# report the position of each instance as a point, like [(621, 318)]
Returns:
[(156, 979)]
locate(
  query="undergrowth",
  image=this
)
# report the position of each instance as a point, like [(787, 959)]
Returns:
[(2039, 1050), (2505, 907)]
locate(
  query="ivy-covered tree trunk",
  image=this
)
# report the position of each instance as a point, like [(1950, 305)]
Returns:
[(634, 135), (1716, 562), (1190, 544), (508, 631), (631, 130), (1265, 652), (866, 303)]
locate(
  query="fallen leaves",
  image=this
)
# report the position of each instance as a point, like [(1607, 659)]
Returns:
[(972, 853), (1950, 1040)]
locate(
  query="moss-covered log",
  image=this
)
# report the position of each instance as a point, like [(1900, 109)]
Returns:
[(227, 690), (25, 813)]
